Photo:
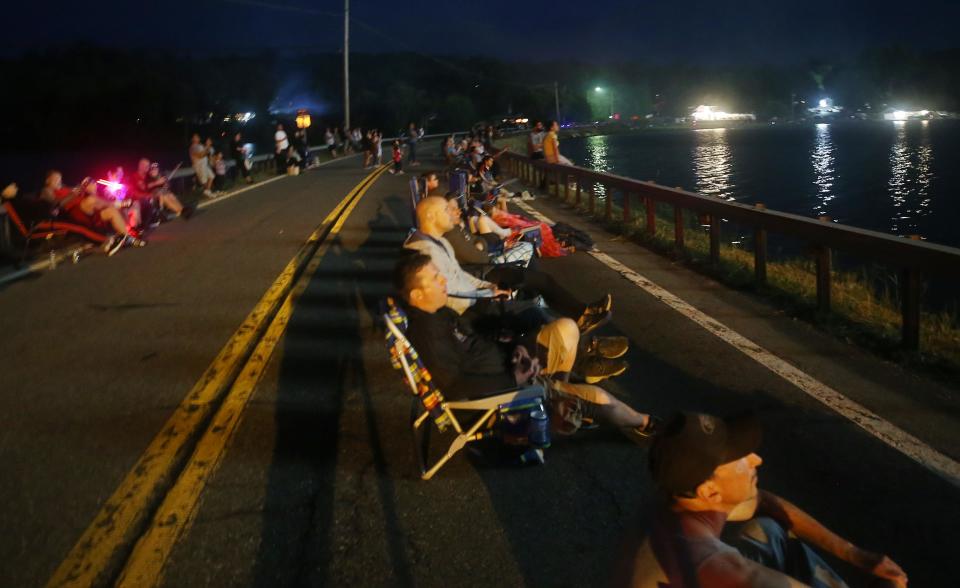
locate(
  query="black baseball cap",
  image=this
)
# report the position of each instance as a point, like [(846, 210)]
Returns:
[(692, 445)]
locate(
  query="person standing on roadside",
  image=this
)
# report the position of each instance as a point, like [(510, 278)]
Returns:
[(281, 146), (378, 146), (413, 135), (330, 140), (238, 150), (535, 141), (201, 166)]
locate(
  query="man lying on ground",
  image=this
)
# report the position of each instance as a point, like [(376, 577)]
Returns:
[(84, 207), (705, 468), (465, 364), (473, 296)]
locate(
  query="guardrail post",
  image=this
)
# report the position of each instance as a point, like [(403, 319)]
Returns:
[(608, 203), (823, 278), (578, 196), (823, 265), (591, 206), (910, 307), (566, 187), (714, 240), (677, 227), (556, 176), (626, 207), (651, 216), (760, 250)]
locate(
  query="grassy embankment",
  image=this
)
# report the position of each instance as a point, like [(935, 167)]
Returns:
[(860, 310)]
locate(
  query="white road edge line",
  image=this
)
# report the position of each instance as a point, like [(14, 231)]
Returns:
[(213, 201), (897, 438)]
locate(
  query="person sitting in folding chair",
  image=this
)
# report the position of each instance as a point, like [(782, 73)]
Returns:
[(467, 365), (471, 295)]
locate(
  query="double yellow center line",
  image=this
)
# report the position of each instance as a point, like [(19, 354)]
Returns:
[(236, 371)]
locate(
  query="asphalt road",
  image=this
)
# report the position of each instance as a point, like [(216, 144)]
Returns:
[(318, 487)]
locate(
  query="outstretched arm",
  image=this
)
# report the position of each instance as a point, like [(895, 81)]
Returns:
[(810, 530)]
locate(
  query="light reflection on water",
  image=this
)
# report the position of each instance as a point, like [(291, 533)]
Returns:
[(712, 163), (822, 158), (598, 160), (910, 178)]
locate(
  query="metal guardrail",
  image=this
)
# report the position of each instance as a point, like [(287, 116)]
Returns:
[(914, 258)]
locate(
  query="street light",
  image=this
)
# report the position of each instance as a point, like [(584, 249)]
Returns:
[(600, 90), (303, 119)]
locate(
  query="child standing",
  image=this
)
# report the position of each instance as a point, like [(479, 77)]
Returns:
[(397, 158), (220, 172)]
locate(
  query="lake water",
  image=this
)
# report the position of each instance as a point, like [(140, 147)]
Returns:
[(899, 178)]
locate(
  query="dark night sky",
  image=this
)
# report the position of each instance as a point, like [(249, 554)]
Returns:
[(596, 30)]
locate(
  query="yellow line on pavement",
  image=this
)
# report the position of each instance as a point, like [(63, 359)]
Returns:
[(175, 516), (102, 545)]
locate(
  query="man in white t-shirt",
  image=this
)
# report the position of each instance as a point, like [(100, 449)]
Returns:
[(282, 144)]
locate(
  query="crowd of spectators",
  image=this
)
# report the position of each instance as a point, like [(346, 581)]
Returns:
[(459, 286)]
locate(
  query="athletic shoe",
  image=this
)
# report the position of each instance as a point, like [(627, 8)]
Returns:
[(609, 347), (186, 213), (208, 193), (595, 315), (113, 244), (527, 196), (596, 369), (132, 241)]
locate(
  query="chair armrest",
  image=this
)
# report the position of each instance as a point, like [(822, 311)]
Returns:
[(495, 401)]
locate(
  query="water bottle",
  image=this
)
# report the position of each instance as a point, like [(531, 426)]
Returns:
[(538, 431), (532, 456)]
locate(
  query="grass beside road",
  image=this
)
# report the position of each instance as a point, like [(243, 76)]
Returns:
[(860, 311)]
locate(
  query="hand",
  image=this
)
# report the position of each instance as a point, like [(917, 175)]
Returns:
[(499, 293), (878, 564), (525, 368)]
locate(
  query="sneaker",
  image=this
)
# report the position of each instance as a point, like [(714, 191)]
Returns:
[(527, 196), (186, 213), (596, 369), (113, 244), (609, 347), (208, 193), (132, 241), (595, 315)]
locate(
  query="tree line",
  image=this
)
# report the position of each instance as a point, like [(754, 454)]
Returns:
[(79, 96)]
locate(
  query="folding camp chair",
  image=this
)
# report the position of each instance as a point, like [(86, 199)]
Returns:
[(458, 184), (429, 403), (47, 228), (414, 200)]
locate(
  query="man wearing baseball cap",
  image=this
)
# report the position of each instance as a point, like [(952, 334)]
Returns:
[(705, 468)]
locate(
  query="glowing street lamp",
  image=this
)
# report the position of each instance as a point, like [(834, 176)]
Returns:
[(303, 119), (600, 90)]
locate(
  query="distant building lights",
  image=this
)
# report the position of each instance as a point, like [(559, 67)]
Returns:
[(710, 113), (823, 103)]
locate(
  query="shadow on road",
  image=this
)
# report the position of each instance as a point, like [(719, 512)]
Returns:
[(323, 378)]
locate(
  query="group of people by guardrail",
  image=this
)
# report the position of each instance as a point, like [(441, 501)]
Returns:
[(482, 322)]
